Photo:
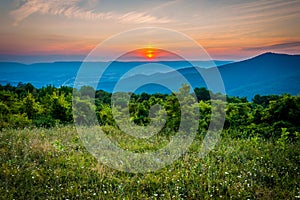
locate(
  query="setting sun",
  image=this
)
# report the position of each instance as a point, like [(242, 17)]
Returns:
[(150, 54)]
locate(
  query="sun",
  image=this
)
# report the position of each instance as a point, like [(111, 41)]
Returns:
[(149, 53)]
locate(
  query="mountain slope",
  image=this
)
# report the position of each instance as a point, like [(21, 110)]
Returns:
[(265, 74), (64, 73)]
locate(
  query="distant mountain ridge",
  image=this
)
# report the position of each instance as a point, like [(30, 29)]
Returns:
[(268, 73), (64, 73), (265, 74)]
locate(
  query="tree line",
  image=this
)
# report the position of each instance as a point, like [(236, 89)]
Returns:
[(266, 116)]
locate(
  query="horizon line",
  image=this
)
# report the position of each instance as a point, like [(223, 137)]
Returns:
[(2, 59)]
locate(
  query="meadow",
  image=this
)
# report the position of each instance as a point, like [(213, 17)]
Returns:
[(40, 163), (43, 157)]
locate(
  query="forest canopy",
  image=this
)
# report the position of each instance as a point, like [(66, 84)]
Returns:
[(26, 106)]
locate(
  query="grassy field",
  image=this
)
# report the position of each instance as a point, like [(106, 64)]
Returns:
[(51, 163)]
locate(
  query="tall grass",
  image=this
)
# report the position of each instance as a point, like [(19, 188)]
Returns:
[(52, 163)]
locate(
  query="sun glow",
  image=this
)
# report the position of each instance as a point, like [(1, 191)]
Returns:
[(150, 54)]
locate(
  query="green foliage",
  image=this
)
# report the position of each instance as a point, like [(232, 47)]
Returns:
[(238, 115), (52, 164), (284, 139), (19, 121), (50, 106), (285, 111), (264, 100), (173, 111), (105, 116), (103, 97), (60, 108), (45, 121), (87, 91), (30, 106), (205, 115), (257, 157), (202, 94), (27, 106), (84, 112)]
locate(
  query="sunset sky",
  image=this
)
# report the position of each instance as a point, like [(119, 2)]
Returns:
[(49, 30)]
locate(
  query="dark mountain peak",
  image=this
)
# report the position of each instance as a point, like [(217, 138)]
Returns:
[(267, 60), (275, 56), (271, 55)]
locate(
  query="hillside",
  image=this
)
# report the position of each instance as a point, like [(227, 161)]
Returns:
[(268, 73), (64, 73), (265, 74)]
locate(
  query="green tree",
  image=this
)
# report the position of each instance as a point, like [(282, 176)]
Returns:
[(30, 107), (105, 116), (283, 113), (60, 108), (87, 91), (238, 115), (202, 94)]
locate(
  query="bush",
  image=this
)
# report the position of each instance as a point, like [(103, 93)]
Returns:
[(44, 121)]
